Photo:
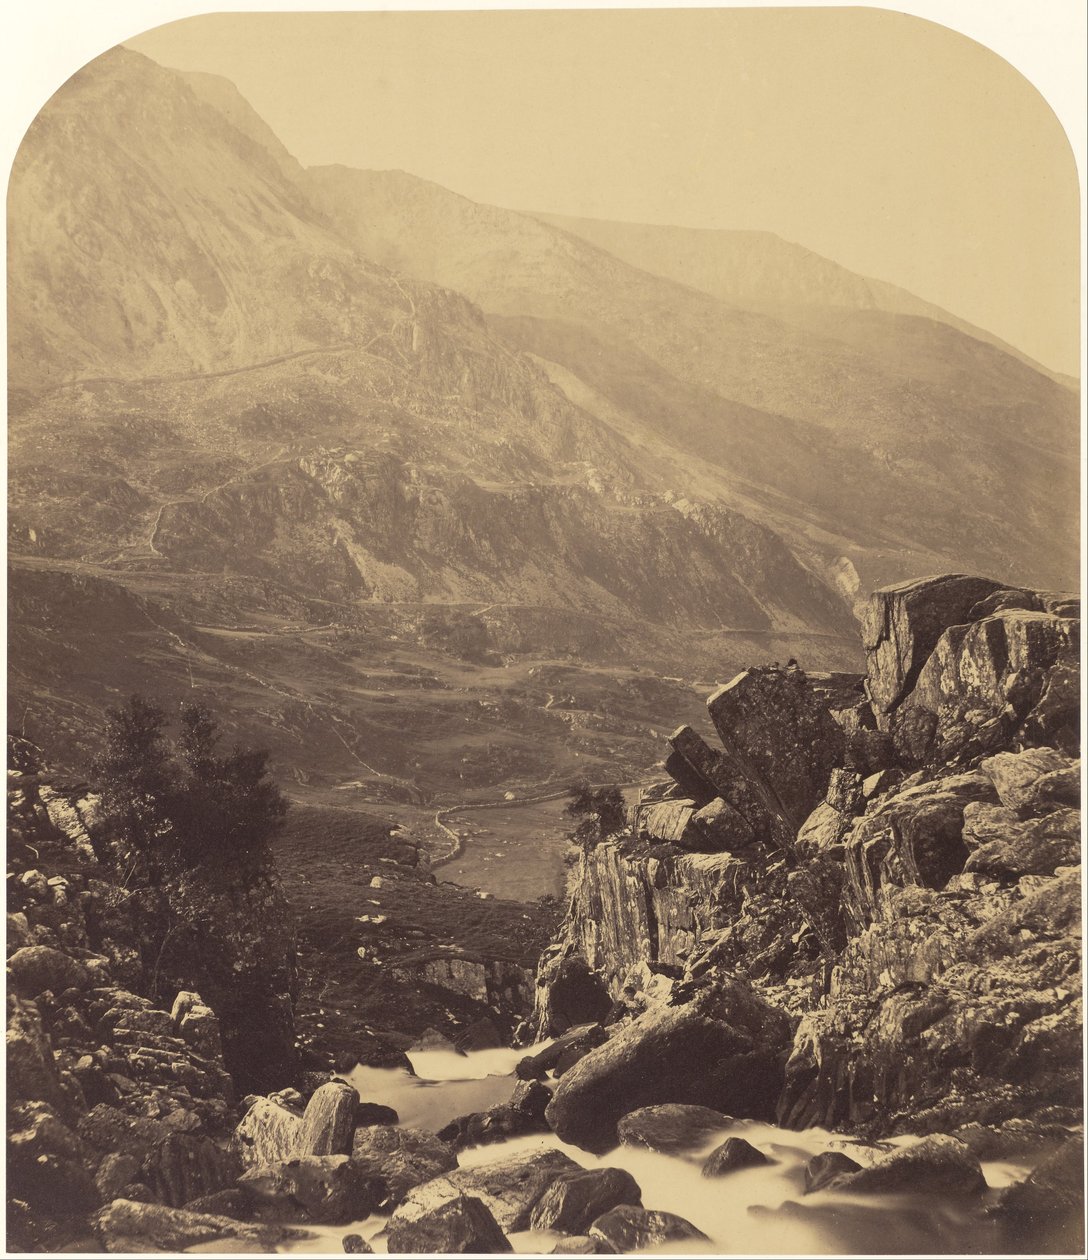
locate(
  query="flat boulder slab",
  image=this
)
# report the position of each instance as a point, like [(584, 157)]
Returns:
[(938, 1165), (672, 1128), (328, 1121), (822, 1169), (782, 737), (575, 1200), (510, 1188), (725, 1050), (38, 969), (407, 1157), (267, 1134), (734, 1154), (322, 1189), (462, 1226), (128, 1227), (901, 626), (625, 1229)]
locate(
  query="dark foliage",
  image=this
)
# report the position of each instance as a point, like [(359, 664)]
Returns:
[(601, 807)]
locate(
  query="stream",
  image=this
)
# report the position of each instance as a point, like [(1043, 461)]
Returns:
[(755, 1211)]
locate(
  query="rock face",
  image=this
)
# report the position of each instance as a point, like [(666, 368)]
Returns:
[(722, 1050), (912, 908)]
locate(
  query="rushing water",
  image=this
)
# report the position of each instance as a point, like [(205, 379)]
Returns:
[(754, 1211)]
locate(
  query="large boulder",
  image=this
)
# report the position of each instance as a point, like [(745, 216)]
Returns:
[(510, 1187), (267, 1133), (1006, 847), (1045, 1211), (129, 1227), (782, 736), (733, 1154), (625, 1229), (824, 1168), (938, 1165), (185, 1166), (672, 1128), (1034, 780), (322, 1189), (48, 1163), (406, 1157), (463, 1226), (38, 969), (724, 1049), (575, 1200), (901, 626), (328, 1121), (524, 1113)]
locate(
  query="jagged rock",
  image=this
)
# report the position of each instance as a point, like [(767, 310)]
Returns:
[(115, 1172), (1016, 775), (984, 682), (323, 1189), (936, 1165), (535, 1066), (782, 736), (672, 1128), (666, 822), (480, 1035), (267, 1134), (47, 1162), (328, 1121), (575, 1200), (130, 1227), (509, 1187), (823, 829), (734, 1153), (914, 836), (407, 1157), (901, 626), (625, 1229), (37, 968), (356, 1245), (724, 1049), (197, 1024), (1005, 847), (31, 1070), (18, 932), (824, 1168), (462, 1226), (524, 1113), (184, 1166), (718, 827), (1046, 1209)]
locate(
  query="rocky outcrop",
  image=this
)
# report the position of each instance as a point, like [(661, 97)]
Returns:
[(914, 908)]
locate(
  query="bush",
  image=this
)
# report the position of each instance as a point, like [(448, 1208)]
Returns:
[(179, 803), (602, 807)]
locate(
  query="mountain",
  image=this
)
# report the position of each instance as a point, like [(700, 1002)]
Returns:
[(903, 446), (414, 490), (762, 272)]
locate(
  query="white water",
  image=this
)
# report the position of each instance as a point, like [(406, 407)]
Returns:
[(755, 1211)]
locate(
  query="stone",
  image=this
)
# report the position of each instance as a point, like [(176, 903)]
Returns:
[(328, 1121), (115, 1172), (185, 1166), (781, 736), (510, 1187), (666, 822), (130, 1227), (575, 1245), (824, 1168), (570, 994), (724, 1050), (37, 969), (718, 827), (524, 1113), (233, 1202), (432, 1039), (197, 1024), (320, 1189), (35, 885), (407, 1157), (18, 932), (1016, 774), (267, 1134), (823, 829), (575, 1200), (480, 1035), (47, 1162), (370, 1113), (1006, 847), (31, 1069), (672, 1128), (901, 626), (733, 1154), (625, 1229), (356, 1245), (938, 1165), (462, 1226), (536, 1066), (1045, 1211)]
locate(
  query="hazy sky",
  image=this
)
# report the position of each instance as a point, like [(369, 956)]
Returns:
[(892, 145)]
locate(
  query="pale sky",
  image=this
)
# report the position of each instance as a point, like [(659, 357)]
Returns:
[(892, 145)]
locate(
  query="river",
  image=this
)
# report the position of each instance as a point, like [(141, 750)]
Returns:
[(756, 1211)]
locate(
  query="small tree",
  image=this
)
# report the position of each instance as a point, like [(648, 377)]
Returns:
[(601, 810), (135, 775)]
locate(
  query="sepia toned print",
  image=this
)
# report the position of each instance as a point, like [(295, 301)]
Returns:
[(543, 676)]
